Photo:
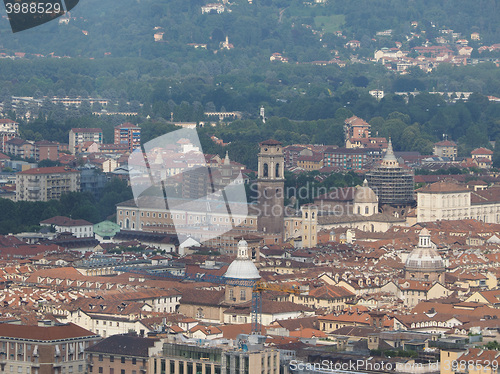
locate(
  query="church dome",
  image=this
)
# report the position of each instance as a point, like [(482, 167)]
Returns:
[(242, 267), (365, 194), (424, 259)]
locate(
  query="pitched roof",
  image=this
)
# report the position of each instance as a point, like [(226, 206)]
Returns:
[(481, 151), (44, 333), (270, 142), (125, 345), (65, 221)]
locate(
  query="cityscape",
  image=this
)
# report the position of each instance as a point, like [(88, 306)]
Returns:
[(255, 186)]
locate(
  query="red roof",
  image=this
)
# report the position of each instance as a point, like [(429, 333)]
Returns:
[(270, 142), (65, 221), (49, 333), (49, 170), (446, 143), (6, 120), (481, 151)]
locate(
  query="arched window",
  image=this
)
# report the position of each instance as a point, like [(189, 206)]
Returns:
[(127, 223), (307, 215), (367, 210), (312, 215), (277, 170), (243, 295), (266, 170), (359, 210), (374, 210)]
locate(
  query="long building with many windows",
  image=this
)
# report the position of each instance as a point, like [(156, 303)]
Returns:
[(53, 349), (448, 200)]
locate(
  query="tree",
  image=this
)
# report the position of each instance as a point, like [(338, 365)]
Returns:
[(496, 154)]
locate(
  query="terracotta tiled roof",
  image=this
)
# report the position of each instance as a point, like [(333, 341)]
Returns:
[(42, 333), (481, 151)]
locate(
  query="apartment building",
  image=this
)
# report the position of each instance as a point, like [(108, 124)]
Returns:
[(8, 129), (52, 349), (81, 135), (44, 184), (128, 134)]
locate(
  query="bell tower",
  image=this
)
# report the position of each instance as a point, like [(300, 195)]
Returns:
[(271, 185)]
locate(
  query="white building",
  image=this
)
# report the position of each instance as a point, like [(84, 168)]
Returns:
[(78, 227), (448, 200)]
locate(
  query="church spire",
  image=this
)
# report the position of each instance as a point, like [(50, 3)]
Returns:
[(389, 158)]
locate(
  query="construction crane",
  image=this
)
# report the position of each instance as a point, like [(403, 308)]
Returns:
[(256, 285)]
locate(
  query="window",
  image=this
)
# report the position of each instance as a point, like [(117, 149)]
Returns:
[(123, 360), (100, 359), (122, 371), (100, 369), (111, 359), (134, 361)]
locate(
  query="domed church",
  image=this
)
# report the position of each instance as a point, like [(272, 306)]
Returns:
[(424, 263), (241, 269)]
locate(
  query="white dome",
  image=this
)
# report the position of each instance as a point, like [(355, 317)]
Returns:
[(365, 194), (242, 269), (424, 259)]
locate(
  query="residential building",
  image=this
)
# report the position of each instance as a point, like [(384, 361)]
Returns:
[(128, 134), (93, 181), (81, 135), (8, 129), (445, 148), (350, 158), (19, 147), (309, 163), (122, 354), (356, 128), (44, 184), (78, 227), (52, 349), (45, 150), (483, 157)]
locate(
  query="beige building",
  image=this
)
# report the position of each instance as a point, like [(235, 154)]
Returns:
[(446, 148), (448, 200), (44, 349), (44, 184)]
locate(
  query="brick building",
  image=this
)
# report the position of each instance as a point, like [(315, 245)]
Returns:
[(128, 134)]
